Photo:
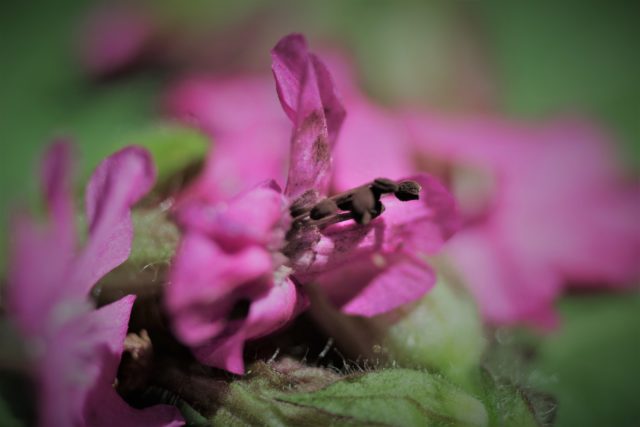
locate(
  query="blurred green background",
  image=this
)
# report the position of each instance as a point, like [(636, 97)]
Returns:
[(524, 59)]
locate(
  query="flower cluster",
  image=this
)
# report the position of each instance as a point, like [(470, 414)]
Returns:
[(331, 195), (243, 262)]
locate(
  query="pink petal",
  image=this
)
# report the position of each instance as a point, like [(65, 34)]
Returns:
[(259, 216), (242, 116), (82, 349), (56, 182), (104, 406), (205, 282), (224, 353), (372, 144), (561, 211), (308, 96), (114, 39), (116, 185), (509, 288), (267, 314), (376, 284), (34, 291)]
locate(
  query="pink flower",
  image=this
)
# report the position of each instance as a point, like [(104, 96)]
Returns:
[(559, 213), (243, 262), (76, 349)]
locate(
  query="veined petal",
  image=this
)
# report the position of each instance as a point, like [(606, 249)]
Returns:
[(104, 406), (205, 283), (268, 313), (376, 284), (244, 120), (510, 288), (116, 185), (82, 350), (258, 216), (372, 144), (41, 255), (308, 97)]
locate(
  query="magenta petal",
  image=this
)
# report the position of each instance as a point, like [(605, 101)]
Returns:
[(307, 95), (56, 181), (509, 287), (80, 351), (424, 225), (104, 406), (224, 353), (35, 291), (377, 284), (241, 116), (267, 314), (258, 216), (205, 282), (116, 185), (372, 144), (115, 38), (274, 310)]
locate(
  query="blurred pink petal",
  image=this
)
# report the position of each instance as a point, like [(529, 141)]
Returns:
[(75, 350), (561, 213), (268, 313), (375, 284), (114, 38), (206, 282), (248, 132)]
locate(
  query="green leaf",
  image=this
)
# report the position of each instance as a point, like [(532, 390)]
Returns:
[(390, 397), (174, 149), (396, 397), (509, 406), (591, 363)]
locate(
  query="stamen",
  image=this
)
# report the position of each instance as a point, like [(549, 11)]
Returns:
[(384, 185), (323, 209), (408, 190), (362, 204)]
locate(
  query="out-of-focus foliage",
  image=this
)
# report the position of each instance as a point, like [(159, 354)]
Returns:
[(591, 364), (531, 59)]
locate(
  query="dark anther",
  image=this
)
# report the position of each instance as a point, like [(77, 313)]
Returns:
[(384, 185), (363, 205), (240, 309), (379, 208), (344, 201), (408, 190), (323, 209)]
